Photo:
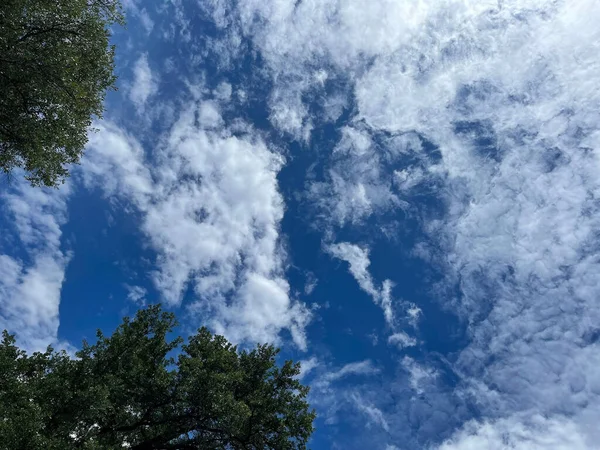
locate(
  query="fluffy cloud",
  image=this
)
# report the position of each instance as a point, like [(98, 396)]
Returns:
[(535, 433), (211, 209), (31, 279)]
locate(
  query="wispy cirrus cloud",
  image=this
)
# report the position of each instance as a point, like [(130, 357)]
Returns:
[(358, 259), (144, 84), (365, 367), (373, 414)]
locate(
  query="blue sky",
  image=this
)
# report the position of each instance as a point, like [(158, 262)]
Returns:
[(404, 195)]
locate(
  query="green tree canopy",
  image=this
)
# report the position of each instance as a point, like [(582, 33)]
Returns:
[(56, 65), (129, 391)]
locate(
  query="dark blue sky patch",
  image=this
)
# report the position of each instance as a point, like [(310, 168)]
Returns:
[(94, 295), (481, 136)]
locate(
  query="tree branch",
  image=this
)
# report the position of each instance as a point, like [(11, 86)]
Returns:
[(36, 31)]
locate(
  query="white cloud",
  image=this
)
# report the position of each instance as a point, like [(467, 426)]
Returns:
[(402, 340), (209, 115), (136, 294), (144, 84), (534, 432), (374, 414), (118, 154), (142, 15), (310, 284), (307, 366), (262, 310), (330, 396), (408, 409), (374, 338), (520, 233), (508, 92), (289, 114), (211, 209), (407, 179), (299, 40), (356, 186), (358, 258), (420, 374), (30, 287), (414, 313), (517, 142), (365, 367), (386, 301), (223, 91), (146, 21)]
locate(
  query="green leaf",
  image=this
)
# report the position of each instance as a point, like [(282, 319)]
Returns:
[(56, 65), (128, 389)]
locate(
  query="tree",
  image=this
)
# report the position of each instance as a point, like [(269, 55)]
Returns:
[(56, 65), (130, 390)]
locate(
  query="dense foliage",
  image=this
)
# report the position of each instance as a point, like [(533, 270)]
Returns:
[(56, 65), (139, 389)]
